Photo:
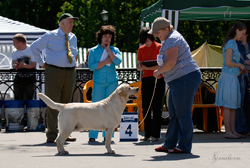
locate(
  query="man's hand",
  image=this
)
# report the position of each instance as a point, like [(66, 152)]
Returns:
[(247, 62), (44, 66), (19, 65)]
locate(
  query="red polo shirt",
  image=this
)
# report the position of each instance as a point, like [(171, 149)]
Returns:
[(148, 54)]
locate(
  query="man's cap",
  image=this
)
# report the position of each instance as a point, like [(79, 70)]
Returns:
[(159, 23), (67, 15)]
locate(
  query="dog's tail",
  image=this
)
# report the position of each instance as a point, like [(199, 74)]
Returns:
[(51, 103)]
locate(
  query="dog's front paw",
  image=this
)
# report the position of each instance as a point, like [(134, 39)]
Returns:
[(63, 152), (112, 151)]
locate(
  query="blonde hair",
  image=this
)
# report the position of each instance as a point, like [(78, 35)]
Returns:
[(171, 27)]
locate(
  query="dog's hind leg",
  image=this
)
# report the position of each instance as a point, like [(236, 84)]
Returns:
[(60, 142), (109, 132)]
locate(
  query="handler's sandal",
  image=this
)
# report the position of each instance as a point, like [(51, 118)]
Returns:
[(144, 139), (175, 150), (161, 149), (91, 139), (153, 139)]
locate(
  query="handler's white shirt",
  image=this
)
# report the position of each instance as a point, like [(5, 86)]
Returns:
[(23, 55)]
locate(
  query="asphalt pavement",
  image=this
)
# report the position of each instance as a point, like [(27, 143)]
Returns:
[(29, 150)]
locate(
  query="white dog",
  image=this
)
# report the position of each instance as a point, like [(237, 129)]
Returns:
[(104, 115)]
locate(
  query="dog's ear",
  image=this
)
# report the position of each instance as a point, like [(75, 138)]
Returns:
[(122, 92)]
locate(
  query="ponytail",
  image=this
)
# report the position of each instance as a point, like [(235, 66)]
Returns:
[(232, 32)]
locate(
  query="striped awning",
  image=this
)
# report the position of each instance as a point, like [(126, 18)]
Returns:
[(201, 10)]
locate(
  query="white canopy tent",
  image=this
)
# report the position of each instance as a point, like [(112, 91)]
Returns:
[(8, 28)]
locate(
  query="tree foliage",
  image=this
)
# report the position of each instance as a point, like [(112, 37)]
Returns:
[(40, 13), (212, 32), (123, 14)]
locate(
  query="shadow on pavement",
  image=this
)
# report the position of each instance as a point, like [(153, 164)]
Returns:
[(100, 155), (173, 157), (142, 143), (44, 144), (97, 143), (216, 137), (200, 137)]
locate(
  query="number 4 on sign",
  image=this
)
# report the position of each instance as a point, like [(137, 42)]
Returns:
[(128, 130)]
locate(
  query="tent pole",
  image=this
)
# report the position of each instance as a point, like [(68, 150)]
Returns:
[(170, 16), (163, 13), (142, 23), (176, 20)]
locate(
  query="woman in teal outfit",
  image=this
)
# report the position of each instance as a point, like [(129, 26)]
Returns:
[(102, 61)]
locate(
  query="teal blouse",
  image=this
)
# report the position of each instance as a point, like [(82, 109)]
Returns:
[(235, 58), (106, 74)]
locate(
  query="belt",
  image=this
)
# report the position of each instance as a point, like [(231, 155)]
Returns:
[(66, 68)]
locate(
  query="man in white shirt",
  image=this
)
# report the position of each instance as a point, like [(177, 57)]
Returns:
[(22, 58)]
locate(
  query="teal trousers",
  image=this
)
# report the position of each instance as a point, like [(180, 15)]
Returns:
[(100, 92)]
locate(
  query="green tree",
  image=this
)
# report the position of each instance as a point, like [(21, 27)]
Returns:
[(123, 14), (40, 13), (196, 33)]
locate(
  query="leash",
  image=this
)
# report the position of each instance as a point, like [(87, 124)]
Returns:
[(147, 111)]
